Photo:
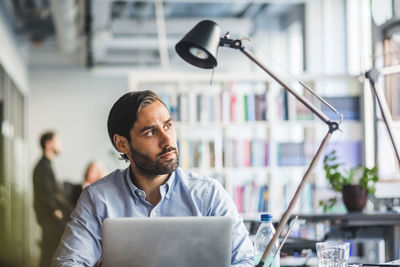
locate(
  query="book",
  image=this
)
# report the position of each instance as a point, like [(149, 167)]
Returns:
[(302, 112), (349, 106), (226, 106), (260, 103), (251, 107), (282, 105), (291, 154)]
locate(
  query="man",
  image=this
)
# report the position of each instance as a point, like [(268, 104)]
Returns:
[(51, 207), (141, 129)]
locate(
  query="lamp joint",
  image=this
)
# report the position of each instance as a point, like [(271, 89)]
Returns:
[(227, 42), (333, 126)]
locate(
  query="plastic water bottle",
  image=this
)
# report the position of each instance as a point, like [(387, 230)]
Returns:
[(264, 235)]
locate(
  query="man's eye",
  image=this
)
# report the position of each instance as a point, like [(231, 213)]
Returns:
[(150, 133), (166, 127)]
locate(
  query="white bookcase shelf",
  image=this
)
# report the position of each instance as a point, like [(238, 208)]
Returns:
[(250, 135)]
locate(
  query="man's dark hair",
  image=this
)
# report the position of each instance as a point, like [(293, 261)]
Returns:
[(46, 137), (124, 112)]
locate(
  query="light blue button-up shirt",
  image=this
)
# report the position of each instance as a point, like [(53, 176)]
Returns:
[(184, 194)]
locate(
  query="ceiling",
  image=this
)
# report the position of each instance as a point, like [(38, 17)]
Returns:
[(132, 33)]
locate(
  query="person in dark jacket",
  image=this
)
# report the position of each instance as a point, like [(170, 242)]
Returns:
[(51, 207)]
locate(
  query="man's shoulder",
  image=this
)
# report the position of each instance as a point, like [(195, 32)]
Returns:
[(42, 166), (112, 180), (42, 162)]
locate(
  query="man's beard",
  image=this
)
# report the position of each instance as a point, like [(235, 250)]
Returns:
[(146, 165), (56, 151)]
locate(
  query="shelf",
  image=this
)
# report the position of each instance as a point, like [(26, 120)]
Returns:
[(249, 134), (219, 124), (395, 123), (265, 124), (354, 219), (389, 24), (309, 261), (251, 169), (391, 70), (221, 76)]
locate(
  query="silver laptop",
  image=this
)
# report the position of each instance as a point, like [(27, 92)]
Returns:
[(167, 242)]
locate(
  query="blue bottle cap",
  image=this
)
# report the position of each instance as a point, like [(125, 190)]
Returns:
[(266, 217)]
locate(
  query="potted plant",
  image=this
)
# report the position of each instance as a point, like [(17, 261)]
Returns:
[(355, 183)]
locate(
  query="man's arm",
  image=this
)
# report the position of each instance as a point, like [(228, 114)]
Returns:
[(81, 241), (221, 204), (45, 194)]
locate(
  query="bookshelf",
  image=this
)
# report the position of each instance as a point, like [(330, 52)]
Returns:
[(245, 131), (387, 61)]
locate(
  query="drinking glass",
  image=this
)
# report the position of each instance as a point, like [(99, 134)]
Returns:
[(333, 253)]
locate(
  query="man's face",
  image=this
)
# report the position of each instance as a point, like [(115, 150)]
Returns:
[(153, 148), (56, 145)]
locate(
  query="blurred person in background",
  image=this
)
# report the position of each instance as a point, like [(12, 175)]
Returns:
[(93, 172), (51, 206)]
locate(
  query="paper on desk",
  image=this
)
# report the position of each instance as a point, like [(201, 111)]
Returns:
[(397, 262)]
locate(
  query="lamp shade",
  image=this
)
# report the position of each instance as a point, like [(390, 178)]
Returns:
[(200, 45)]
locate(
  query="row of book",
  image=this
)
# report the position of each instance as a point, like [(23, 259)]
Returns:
[(251, 198), (349, 106), (255, 198), (232, 106), (392, 94), (300, 154), (227, 106), (291, 154), (245, 153), (391, 50), (195, 153), (235, 153), (255, 153)]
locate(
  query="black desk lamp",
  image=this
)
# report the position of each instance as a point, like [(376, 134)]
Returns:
[(200, 46)]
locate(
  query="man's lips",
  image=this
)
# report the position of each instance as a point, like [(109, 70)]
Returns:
[(168, 155)]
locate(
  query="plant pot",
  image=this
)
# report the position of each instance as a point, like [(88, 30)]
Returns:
[(354, 197)]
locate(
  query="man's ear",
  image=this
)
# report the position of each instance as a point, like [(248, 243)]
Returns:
[(121, 143), (48, 144)]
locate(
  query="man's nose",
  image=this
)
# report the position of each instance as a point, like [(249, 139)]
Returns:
[(165, 139)]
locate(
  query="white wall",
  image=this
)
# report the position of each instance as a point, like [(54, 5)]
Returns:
[(74, 102), (326, 36), (76, 105), (11, 57)]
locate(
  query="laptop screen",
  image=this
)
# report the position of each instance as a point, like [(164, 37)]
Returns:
[(167, 241)]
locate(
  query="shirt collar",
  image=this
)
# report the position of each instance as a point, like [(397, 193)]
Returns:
[(46, 159), (169, 185), (131, 186)]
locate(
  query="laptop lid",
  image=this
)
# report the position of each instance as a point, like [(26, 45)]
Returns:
[(167, 241)]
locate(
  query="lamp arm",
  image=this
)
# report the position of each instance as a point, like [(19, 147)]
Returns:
[(237, 44), (372, 76), (333, 126), (303, 100), (288, 211)]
